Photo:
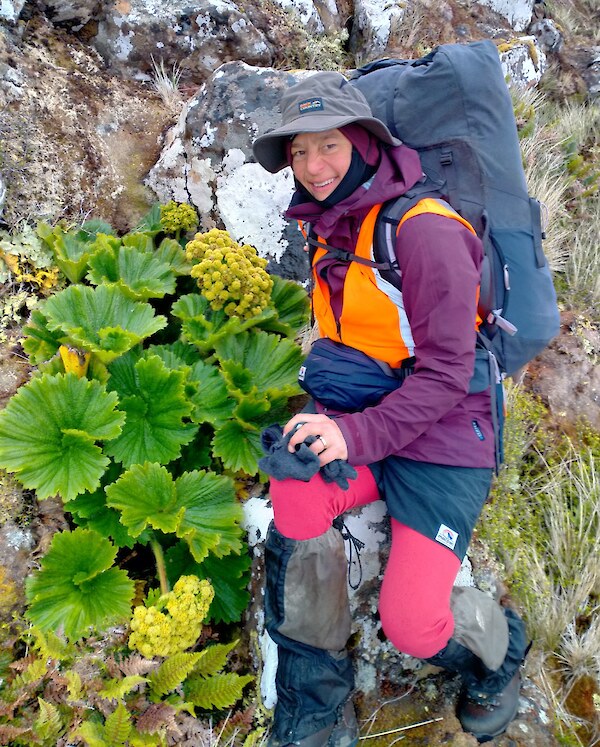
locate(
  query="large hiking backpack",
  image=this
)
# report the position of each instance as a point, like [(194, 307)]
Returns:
[(453, 106)]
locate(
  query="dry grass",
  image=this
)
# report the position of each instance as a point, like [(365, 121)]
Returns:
[(565, 575), (166, 84), (561, 599), (583, 266), (576, 17)]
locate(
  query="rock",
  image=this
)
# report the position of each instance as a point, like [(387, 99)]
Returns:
[(372, 28), (548, 35), (11, 84), (74, 14), (523, 61), (75, 141), (10, 10), (308, 14), (208, 161), (591, 73), (517, 12), (566, 375), (195, 38)]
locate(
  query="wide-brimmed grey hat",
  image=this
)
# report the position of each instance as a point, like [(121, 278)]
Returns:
[(323, 101)]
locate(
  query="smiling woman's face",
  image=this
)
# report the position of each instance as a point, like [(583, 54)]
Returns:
[(320, 160)]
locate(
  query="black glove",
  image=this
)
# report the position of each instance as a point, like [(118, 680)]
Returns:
[(301, 464)]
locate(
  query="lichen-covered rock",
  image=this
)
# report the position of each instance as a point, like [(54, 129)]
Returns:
[(523, 61), (10, 10), (517, 12), (372, 27), (208, 161), (75, 13), (75, 141), (194, 37), (547, 33)]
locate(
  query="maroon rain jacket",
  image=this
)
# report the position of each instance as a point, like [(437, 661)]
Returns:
[(431, 417)]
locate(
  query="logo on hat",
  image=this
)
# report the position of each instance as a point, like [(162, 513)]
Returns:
[(311, 105)]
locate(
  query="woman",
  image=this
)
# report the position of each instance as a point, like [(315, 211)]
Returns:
[(426, 448)]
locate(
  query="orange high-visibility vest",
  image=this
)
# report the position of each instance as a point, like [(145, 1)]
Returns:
[(373, 318)]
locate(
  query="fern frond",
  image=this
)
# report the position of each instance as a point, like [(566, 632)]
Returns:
[(172, 672), (117, 689), (49, 645), (74, 688), (48, 725), (213, 658), (218, 691), (9, 734), (34, 672), (156, 717), (255, 737), (139, 739), (117, 726), (147, 740), (136, 664), (91, 734)]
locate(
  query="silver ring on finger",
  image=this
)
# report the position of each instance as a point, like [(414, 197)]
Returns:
[(323, 441)]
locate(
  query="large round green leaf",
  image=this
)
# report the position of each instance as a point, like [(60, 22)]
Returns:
[(48, 432), (138, 274), (101, 320), (271, 362), (155, 402), (199, 507), (77, 588)]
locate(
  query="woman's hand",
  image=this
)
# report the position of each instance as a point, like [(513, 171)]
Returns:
[(330, 443)]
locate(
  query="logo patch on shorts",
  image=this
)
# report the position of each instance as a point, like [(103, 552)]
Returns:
[(447, 536), (310, 105)]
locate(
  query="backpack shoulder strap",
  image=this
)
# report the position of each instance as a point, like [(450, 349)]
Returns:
[(386, 226)]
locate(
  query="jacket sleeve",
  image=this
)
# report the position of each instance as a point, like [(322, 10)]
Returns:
[(440, 261)]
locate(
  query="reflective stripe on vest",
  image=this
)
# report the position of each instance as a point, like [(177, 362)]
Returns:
[(373, 318)]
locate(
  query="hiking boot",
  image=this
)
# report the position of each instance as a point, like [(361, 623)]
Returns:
[(486, 716), (343, 733), (345, 730), (318, 739)]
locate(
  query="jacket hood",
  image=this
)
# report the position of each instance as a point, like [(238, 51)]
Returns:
[(400, 169)]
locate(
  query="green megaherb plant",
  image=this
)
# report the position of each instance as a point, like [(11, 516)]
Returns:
[(153, 383), (102, 691)]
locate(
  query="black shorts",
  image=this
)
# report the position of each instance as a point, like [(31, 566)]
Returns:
[(439, 501)]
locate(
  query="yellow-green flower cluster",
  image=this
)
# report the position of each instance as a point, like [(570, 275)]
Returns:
[(178, 217), (231, 276), (174, 623)]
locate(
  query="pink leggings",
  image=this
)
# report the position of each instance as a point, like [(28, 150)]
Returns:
[(414, 603)]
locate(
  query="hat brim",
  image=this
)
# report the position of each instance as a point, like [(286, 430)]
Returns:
[(269, 149)]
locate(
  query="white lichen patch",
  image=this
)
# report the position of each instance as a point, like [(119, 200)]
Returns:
[(517, 12), (251, 203), (258, 514), (200, 179), (524, 62)]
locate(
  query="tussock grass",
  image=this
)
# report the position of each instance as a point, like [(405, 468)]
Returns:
[(166, 84), (544, 523), (563, 569), (582, 269), (561, 156), (575, 17)]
